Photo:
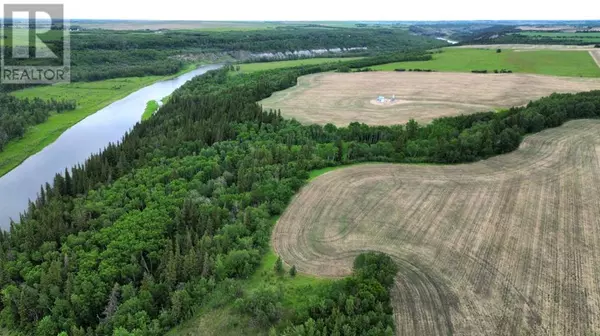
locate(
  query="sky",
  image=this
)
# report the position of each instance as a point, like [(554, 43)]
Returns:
[(327, 10)]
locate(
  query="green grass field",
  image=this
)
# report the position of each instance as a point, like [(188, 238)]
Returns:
[(90, 97), (19, 37), (252, 67), (544, 62), (151, 107)]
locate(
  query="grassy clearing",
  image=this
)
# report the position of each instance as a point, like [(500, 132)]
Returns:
[(226, 320), (543, 62), (261, 66), (503, 239), (90, 97), (151, 107)]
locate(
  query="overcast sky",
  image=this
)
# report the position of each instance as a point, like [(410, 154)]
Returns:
[(389, 10)]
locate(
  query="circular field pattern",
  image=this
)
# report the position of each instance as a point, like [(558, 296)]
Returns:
[(342, 98), (504, 246)]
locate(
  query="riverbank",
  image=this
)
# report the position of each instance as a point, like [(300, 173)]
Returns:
[(90, 96)]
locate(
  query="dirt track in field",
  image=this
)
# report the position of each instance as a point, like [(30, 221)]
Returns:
[(505, 246), (342, 98), (596, 56)]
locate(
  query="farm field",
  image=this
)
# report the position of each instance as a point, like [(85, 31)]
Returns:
[(505, 246), (543, 62), (167, 24), (261, 66), (530, 47), (342, 98), (19, 37), (203, 25)]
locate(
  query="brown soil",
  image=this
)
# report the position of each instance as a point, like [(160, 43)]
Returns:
[(505, 246), (341, 98)]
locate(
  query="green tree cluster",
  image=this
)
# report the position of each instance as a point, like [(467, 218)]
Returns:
[(18, 114)]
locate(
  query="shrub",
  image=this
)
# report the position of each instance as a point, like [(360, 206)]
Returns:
[(263, 306), (279, 266)]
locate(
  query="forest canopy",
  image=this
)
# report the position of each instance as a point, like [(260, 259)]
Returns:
[(18, 114), (103, 54)]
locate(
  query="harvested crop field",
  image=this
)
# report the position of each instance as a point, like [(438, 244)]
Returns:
[(505, 246), (342, 98)]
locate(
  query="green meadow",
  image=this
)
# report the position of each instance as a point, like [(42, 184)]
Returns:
[(543, 62), (151, 107)]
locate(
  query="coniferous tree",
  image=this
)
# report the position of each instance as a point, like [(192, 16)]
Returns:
[(279, 266)]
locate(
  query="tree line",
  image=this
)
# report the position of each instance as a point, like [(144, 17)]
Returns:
[(18, 114), (144, 233), (105, 54), (512, 35)]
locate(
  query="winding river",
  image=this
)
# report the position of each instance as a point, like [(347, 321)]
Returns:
[(77, 143)]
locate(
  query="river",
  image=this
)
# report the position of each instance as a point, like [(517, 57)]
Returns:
[(76, 144)]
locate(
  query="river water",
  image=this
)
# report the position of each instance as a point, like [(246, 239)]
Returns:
[(76, 144)]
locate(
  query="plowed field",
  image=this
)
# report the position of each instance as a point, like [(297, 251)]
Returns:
[(505, 246)]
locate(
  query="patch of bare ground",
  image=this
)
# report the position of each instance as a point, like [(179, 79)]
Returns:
[(342, 98), (504, 246), (596, 56)]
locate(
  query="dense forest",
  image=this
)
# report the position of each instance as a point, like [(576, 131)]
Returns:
[(103, 54), (18, 114), (140, 236), (501, 34)]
